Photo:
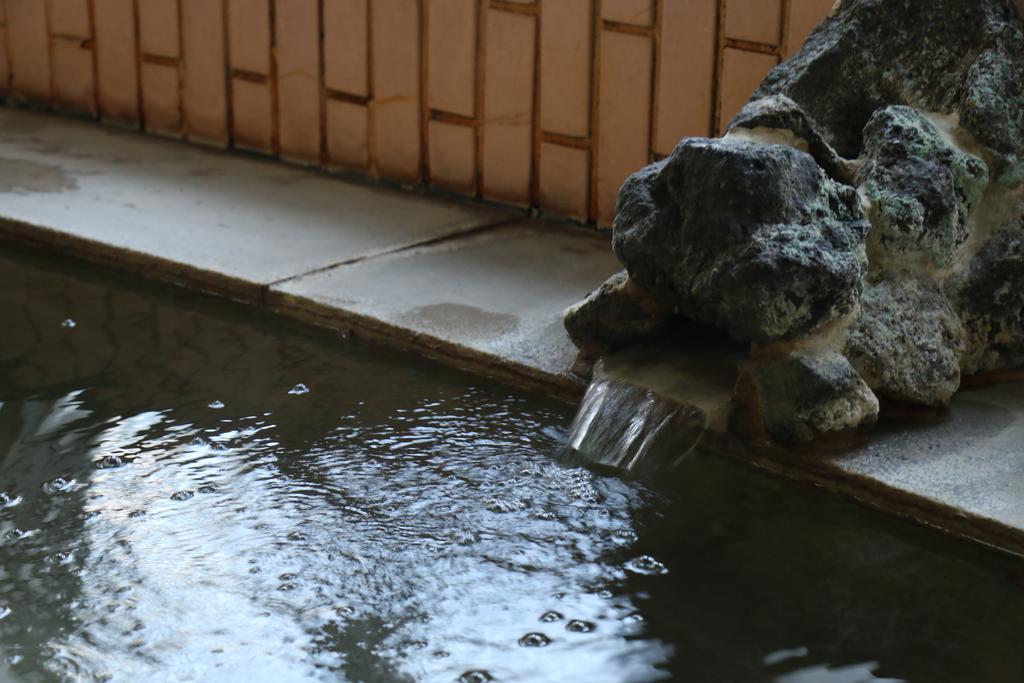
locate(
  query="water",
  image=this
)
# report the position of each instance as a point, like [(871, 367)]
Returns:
[(627, 428), (170, 511)]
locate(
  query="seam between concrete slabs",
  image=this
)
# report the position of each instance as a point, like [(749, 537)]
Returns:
[(396, 250)]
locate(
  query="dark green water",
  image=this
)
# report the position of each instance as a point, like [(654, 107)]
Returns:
[(172, 513)]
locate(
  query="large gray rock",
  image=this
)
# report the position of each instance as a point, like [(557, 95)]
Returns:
[(618, 313), (959, 57), (989, 296), (922, 189), (908, 341), (752, 238), (806, 396)]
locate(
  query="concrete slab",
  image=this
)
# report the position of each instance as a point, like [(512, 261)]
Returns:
[(228, 222), (494, 299), (967, 469)]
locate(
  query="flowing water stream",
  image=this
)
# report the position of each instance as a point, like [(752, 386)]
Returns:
[(193, 491), (630, 429)]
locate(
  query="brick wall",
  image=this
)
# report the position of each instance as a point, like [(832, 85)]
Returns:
[(545, 103)]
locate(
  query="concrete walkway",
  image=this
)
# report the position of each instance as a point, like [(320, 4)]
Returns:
[(473, 286), (476, 286)]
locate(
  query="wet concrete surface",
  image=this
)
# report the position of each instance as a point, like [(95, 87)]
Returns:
[(231, 223), (495, 297), (469, 285), (968, 468)]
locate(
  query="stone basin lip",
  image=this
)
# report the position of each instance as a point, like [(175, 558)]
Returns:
[(470, 285)]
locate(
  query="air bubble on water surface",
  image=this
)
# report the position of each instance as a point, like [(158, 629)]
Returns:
[(216, 405), (535, 640), (58, 485), (550, 616), (68, 323), (646, 565), (299, 389), (182, 495), (580, 626), (61, 557), (4, 611), (207, 489), (476, 676), (7, 500), (625, 536), (345, 611), (109, 462)]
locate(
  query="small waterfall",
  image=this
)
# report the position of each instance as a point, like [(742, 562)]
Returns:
[(631, 429)]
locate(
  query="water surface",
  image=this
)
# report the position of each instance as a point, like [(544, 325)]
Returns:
[(195, 491)]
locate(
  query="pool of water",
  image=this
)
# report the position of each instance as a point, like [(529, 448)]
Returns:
[(193, 491)]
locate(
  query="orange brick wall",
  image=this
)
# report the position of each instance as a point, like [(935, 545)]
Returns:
[(542, 103)]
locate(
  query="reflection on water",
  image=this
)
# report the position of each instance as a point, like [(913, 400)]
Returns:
[(175, 507)]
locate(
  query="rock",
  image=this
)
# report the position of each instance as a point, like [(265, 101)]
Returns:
[(752, 238), (922, 189), (807, 396), (907, 342), (989, 296), (951, 56), (614, 315), (779, 116), (908, 110)]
